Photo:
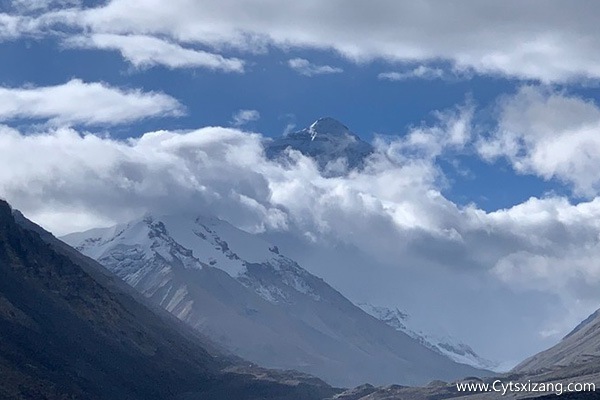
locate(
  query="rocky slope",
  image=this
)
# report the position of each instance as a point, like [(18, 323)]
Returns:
[(70, 330)]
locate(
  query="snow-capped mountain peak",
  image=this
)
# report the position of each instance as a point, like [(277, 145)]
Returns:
[(208, 240), (325, 129), (329, 142), (327, 126)]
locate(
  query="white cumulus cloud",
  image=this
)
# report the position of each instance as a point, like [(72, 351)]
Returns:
[(84, 103), (550, 134), (14, 26)]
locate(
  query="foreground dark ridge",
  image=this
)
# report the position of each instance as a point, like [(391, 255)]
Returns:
[(69, 330)]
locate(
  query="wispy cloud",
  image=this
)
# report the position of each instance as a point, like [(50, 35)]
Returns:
[(28, 6), (13, 26), (147, 51), (306, 68), (242, 117), (420, 72)]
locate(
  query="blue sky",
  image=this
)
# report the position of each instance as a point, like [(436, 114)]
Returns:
[(485, 113)]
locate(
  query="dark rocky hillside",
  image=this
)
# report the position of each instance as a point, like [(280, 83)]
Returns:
[(69, 330)]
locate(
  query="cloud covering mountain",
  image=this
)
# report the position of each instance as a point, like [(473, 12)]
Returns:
[(390, 213)]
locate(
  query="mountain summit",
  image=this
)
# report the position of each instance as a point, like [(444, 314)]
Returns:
[(323, 128), (329, 142)]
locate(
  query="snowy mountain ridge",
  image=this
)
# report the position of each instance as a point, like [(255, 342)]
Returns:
[(188, 236), (443, 344), (240, 291)]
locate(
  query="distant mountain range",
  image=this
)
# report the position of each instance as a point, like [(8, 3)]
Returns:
[(70, 329), (244, 294), (446, 345)]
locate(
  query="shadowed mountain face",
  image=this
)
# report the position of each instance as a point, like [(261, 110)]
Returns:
[(330, 143), (70, 330)]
